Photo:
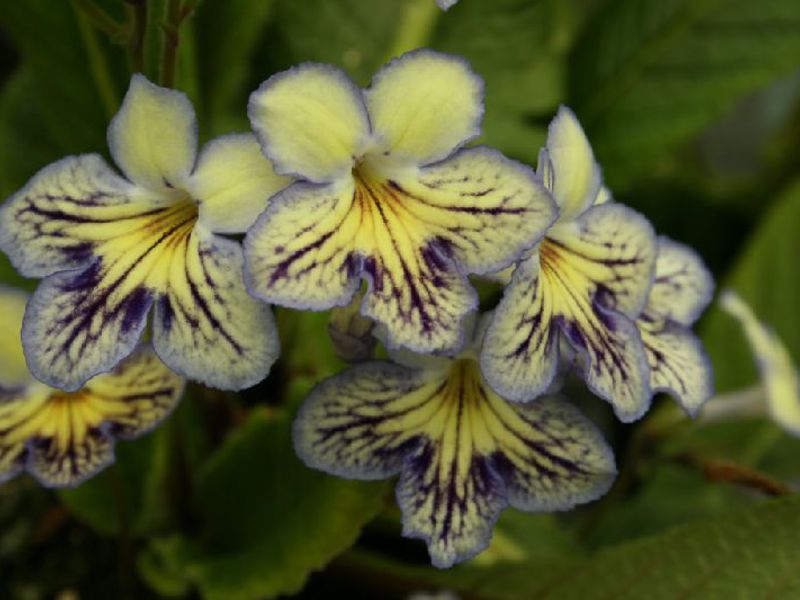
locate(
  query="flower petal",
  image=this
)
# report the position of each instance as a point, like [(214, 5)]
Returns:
[(300, 252), (424, 104), (593, 276), (153, 137), (463, 451), (569, 165), (82, 322), (64, 212), (682, 287), (206, 326), (779, 374), (311, 121), (678, 365), (484, 208), (64, 438), (232, 183), (520, 348), (14, 373)]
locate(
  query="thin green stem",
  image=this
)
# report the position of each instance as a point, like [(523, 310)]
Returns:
[(100, 19), (172, 39), (137, 27), (98, 65), (415, 27)]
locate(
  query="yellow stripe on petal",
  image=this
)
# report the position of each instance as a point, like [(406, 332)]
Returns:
[(65, 212), (232, 183), (424, 105), (569, 166), (153, 137), (206, 325), (779, 373), (592, 276), (311, 121), (80, 323), (463, 452), (13, 370), (682, 287), (62, 438)]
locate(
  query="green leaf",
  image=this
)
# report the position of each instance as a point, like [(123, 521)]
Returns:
[(765, 275), (124, 498), (229, 32), (268, 521), (649, 75), (746, 554)]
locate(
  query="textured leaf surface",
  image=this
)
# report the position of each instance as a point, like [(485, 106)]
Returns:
[(648, 75)]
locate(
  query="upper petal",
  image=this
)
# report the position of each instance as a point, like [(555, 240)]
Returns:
[(311, 121), (779, 374), (682, 287), (206, 326), (153, 137), (485, 208), (65, 211), (569, 166), (425, 104), (14, 372), (232, 183)]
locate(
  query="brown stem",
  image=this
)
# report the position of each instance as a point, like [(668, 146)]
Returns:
[(137, 19), (728, 471), (172, 39)]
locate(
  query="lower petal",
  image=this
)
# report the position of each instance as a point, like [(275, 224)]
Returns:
[(520, 349), (64, 212), (81, 323), (678, 366), (485, 208), (613, 357), (206, 326), (300, 251)]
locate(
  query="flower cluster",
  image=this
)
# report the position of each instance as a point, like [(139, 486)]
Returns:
[(336, 188)]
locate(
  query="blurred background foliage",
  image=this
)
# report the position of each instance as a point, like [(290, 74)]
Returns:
[(693, 107)]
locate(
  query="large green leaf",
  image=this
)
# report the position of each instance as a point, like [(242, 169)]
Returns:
[(649, 74), (765, 275), (268, 521), (747, 554)]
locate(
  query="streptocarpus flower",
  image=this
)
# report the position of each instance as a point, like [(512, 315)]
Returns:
[(112, 247), (463, 453), (386, 194), (587, 280), (779, 374), (62, 438), (682, 288)]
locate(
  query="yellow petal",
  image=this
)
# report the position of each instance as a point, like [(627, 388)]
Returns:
[(65, 211), (779, 373), (424, 105), (206, 325), (13, 370), (462, 451), (678, 365), (232, 183), (311, 121), (64, 438), (153, 137), (592, 278), (569, 165), (682, 287)]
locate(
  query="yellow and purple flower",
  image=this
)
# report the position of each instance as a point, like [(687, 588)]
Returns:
[(112, 247), (384, 192), (587, 281), (463, 452), (62, 438)]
